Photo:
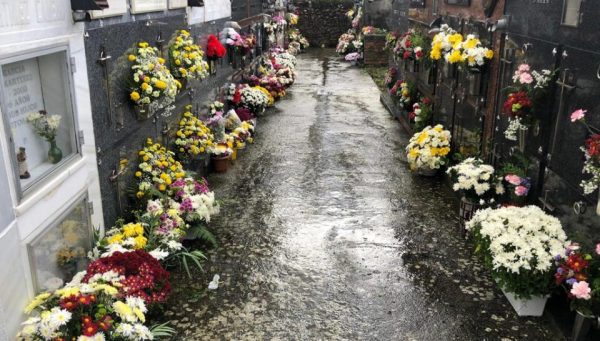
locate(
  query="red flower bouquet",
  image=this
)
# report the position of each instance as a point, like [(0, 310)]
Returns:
[(144, 275), (518, 104)]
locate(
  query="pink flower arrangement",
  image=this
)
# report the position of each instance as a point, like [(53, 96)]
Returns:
[(598, 249)]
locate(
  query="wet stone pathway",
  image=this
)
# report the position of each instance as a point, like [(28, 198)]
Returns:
[(325, 234)]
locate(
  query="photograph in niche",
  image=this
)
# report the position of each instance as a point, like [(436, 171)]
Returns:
[(38, 108), (60, 251)]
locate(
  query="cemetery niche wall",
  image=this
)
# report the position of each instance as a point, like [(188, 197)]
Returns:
[(120, 129)]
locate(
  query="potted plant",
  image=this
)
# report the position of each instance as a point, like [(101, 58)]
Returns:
[(578, 273), (427, 150), (220, 156), (421, 113), (478, 184), (192, 140), (518, 245)]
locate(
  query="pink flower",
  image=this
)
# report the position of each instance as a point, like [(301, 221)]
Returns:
[(577, 115), (525, 78), (523, 68), (513, 179), (521, 191), (598, 248), (581, 290)]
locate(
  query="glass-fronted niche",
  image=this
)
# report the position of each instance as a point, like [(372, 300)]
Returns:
[(60, 250), (38, 114)]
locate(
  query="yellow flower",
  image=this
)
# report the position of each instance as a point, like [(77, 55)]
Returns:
[(138, 174), (489, 54), (66, 292), (145, 86), (135, 96), (160, 84), (413, 153), (471, 43), (114, 239), (435, 54), (162, 187), (455, 56), (131, 58), (422, 137), (109, 290), (145, 158), (139, 314), (123, 310), (139, 195), (143, 44), (140, 242), (37, 301), (129, 230), (177, 62), (161, 60)]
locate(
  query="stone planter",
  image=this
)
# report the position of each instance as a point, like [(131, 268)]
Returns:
[(373, 50), (531, 307)]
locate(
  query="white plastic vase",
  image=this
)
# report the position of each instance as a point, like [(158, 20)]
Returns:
[(530, 307)]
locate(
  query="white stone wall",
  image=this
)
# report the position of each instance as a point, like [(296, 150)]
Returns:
[(26, 26), (212, 10)]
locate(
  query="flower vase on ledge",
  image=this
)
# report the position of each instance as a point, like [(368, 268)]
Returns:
[(54, 153)]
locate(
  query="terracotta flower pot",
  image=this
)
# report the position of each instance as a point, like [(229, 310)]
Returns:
[(221, 163)]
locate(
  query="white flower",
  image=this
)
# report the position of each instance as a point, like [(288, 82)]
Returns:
[(174, 245), (159, 254)]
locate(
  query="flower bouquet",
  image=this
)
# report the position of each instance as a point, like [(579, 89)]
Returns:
[(45, 126), (346, 43), (519, 105), (476, 180), (390, 41), (421, 113), (157, 170), (410, 46), (455, 49), (579, 274), (405, 92), (187, 60), (427, 151), (292, 18), (153, 86), (390, 77), (86, 312), (518, 245), (193, 137)]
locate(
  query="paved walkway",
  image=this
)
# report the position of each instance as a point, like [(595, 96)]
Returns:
[(326, 235)]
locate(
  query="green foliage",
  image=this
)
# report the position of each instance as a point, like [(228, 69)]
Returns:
[(200, 231), (162, 331)]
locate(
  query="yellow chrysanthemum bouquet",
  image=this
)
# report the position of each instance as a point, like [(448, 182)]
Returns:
[(429, 148), (452, 47), (193, 136), (187, 58), (157, 170), (152, 84)]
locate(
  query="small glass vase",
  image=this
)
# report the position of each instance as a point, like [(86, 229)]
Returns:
[(54, 153)]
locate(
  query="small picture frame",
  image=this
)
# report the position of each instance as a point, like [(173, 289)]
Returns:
[(465, 3), (417, 3)]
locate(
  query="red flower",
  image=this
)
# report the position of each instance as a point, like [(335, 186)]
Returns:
[(419, 54), (214, 48), (592, 146), (84, 299), (517, 104), (90, 329), (69, 303), (406, 55), (426, 100), (407, 43), (577, 263), (237, 97), (144, 275), (85, 320)]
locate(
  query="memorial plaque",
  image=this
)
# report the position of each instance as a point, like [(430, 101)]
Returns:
[(115, 8), (23, 95), (177, 4), (142, 6)]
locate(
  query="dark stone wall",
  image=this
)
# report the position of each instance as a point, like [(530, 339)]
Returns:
[(241, 9), (119, 133), (322, 22)]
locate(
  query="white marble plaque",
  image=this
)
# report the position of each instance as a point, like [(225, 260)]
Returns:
[(212, 10), (115, 8), (23, 94), (177, 4), (13, 13), (141, 6)]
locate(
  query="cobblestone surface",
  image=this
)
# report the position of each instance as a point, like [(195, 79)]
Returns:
[(326, 235)]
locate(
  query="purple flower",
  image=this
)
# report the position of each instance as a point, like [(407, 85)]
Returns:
[(571, 281)]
